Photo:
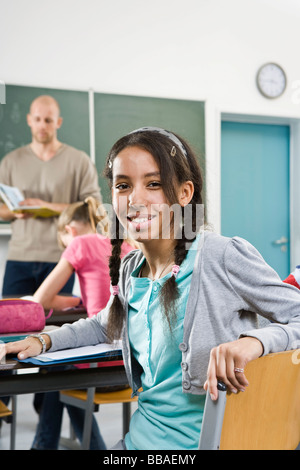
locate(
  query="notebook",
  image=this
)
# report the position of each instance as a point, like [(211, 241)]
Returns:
[(12, 197)]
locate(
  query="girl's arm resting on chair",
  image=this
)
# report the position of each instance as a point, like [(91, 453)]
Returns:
[(225, 358)]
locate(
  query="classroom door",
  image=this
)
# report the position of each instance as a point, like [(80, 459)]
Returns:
[(255, 189)]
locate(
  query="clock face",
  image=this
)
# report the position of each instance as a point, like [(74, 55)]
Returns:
[(271, 80)]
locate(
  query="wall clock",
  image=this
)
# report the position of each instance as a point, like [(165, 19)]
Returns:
[(271, 80)]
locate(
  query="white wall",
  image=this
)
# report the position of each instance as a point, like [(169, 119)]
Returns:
[(194, 49), (197, 49)]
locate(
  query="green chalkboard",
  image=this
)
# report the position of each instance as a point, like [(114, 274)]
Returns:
[(14, 131), (116, 115)]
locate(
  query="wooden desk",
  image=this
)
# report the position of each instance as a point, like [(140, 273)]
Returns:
[(102, 372), (110, 371), (59, 317)]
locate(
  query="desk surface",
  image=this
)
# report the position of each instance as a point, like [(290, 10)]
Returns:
[(18, 377), (109, 371), (59, 317)]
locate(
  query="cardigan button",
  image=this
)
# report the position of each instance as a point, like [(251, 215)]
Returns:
[(184, 366), (183, 347), (186, 384)]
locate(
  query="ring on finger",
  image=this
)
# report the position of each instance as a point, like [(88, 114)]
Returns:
[(239, 370)]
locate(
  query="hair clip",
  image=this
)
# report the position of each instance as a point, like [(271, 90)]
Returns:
[(109, 164), (173, 151), (115, 290), (175, 270), (169, 134)]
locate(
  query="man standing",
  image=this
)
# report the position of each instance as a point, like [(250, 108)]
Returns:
[(53, 175)]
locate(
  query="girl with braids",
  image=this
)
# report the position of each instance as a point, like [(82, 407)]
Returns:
[(185, 304), (142, 225)]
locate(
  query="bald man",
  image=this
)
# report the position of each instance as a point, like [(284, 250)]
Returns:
[(51, 174)]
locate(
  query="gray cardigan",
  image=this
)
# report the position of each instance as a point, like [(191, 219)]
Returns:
[(231, 284)]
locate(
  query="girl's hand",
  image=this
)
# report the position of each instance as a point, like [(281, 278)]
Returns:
[(227, 363), (27, 347)]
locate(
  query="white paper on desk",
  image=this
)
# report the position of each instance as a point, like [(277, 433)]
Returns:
[(83, 351)]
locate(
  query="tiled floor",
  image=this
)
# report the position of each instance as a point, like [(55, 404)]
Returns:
[(109, 418)]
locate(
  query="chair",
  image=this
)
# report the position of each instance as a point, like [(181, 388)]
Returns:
[(9, 416), (89, 401), (264, 417)]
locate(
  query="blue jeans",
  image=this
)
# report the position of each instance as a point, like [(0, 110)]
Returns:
[(50, 420), (24, 277)]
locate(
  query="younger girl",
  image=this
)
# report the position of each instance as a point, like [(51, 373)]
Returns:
[(87, 253), (186, 305)]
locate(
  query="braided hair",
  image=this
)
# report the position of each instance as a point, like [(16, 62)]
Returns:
[(178, 164)]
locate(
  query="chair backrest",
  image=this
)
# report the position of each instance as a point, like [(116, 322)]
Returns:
[(267, 415)]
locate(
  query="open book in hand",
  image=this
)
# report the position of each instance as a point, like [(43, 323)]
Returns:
[(12, 197)]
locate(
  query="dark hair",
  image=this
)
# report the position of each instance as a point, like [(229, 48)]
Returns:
[(175, 168)]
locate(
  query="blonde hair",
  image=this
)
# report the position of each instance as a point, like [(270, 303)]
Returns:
[(90, 211)]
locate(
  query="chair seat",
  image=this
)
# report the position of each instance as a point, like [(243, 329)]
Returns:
[(90, 403), (4, 411), (120, 396)]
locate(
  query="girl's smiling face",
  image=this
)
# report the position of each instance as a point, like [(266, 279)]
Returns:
[(137, 193)]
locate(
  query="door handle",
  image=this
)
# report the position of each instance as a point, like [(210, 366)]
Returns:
[(282, 241)]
